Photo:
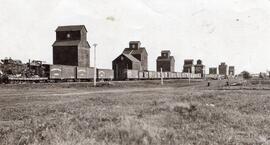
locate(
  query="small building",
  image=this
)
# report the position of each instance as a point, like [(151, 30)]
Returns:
[(71, 46), (124, 62), (222, 69), (166, 62), (139, 53), (200, 68), (231, 70), (188, 66), (213, 70)]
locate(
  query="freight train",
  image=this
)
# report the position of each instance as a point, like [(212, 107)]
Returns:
[(13, 71), (152, 75)]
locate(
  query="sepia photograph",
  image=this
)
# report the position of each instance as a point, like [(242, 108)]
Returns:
[(134, 72)]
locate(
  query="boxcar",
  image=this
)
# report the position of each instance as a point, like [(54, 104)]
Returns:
[(60, 72), (68, 72), (191, 75), (141, 75), (132, 74), (158, 75), (54, 71), (198, 76), (178, 75), (174, 75), (164, 75), (184, 75), (146, 75), (169, 74), (152, 75), (105, 74), (85, 73)]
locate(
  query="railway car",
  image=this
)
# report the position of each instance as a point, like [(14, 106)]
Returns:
[(141, 75), (164, 75), (68, 72), (60, 72), (12, 79), (198, 76), (158, 75), (184, 75), (132, 74), (174, 75), (178, 75), (84, 73), (146, 75), (169, 75), (152, 75), (105, 74), (212, 76)]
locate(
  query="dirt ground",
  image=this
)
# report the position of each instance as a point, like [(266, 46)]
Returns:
[(131, 113)]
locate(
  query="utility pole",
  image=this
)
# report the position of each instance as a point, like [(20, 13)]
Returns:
[(189, 76), (95, 69), (161, 76)]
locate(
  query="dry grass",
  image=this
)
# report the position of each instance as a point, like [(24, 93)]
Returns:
[(122, 114)]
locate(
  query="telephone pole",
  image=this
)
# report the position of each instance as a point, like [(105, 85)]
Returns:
[(189, 76), (95, 69), (161, 76)]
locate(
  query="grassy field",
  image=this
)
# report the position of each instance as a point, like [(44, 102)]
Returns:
[(131, 113)]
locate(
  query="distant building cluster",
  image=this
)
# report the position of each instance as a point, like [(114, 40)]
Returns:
[(223, 70), (135, 57)]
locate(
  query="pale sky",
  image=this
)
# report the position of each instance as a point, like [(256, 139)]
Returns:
[(233, 31)]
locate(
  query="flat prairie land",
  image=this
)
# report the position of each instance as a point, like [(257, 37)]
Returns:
[(134, 113)]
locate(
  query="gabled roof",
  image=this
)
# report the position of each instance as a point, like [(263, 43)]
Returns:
[(189, 60), (134, 42), (134, 51), (165, 51), (128, 56), (132, 58), (71, 28)]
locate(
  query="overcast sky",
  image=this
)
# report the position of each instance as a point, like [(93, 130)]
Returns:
[(233, 31)]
